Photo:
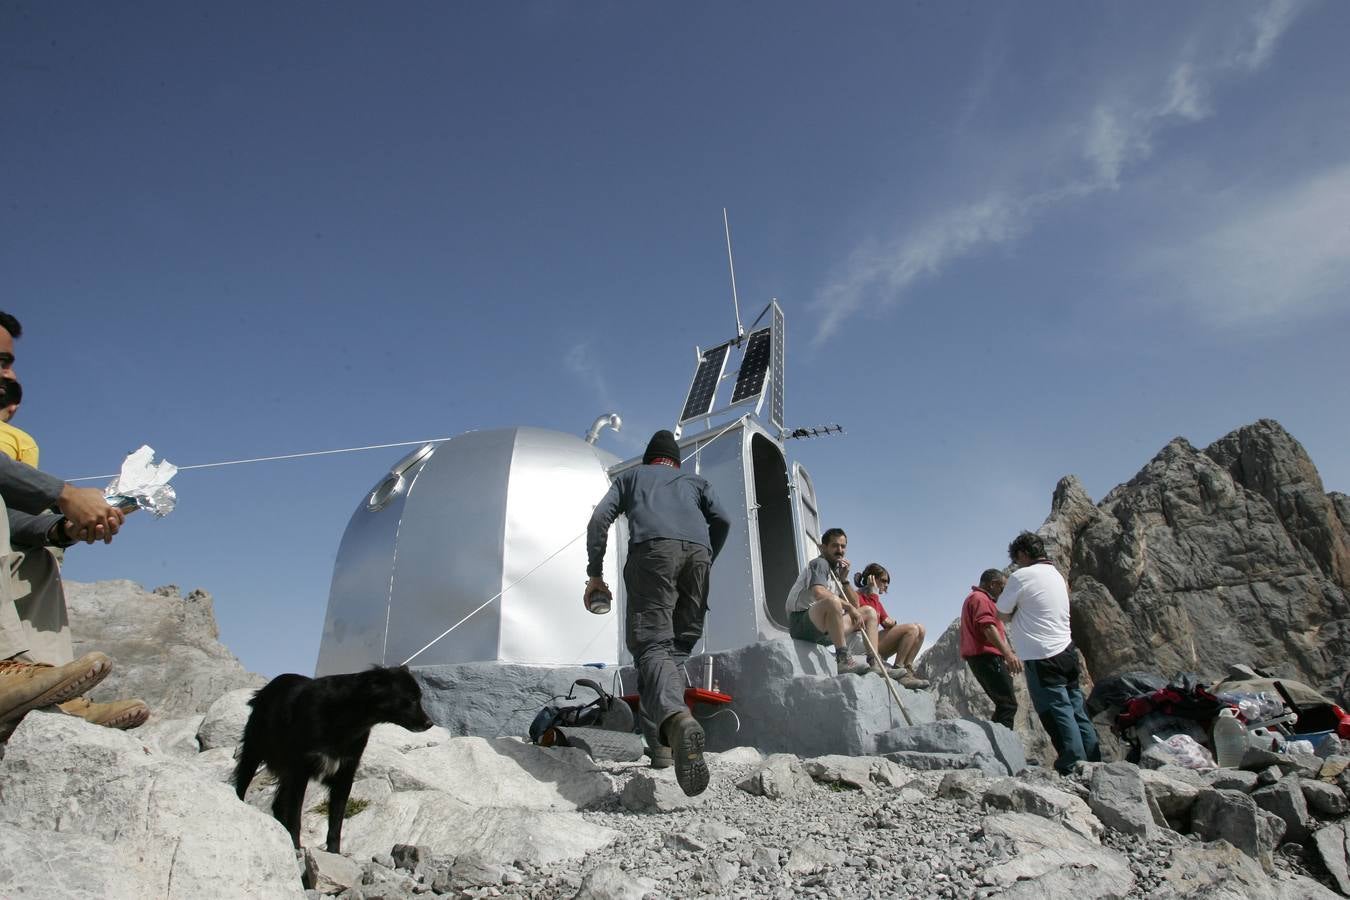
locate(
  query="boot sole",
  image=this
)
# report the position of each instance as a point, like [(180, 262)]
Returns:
[(691, 772), (66, 690)]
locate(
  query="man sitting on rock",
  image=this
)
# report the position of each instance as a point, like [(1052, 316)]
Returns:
[(818, 614), (1036, 602), (37, 657)]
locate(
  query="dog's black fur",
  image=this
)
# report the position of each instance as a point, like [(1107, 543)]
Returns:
[(317, 728)]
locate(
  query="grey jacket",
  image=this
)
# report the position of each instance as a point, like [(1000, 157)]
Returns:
[(28, 494), (660, 502)]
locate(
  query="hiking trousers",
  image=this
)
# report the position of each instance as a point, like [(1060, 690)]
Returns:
[(33, 621), (667, 600), (991, 671)]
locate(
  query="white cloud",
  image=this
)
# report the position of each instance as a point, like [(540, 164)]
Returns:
[(580, 361), (1087, 154), (1262, 258)]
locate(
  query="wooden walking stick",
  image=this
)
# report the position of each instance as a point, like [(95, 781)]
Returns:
[(867, 642)]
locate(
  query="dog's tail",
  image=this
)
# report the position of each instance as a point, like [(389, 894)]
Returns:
[(245, 768)]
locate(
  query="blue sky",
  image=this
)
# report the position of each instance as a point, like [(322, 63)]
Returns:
[(1012, 242)]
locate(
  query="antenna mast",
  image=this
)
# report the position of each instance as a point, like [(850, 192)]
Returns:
[(735, 300)]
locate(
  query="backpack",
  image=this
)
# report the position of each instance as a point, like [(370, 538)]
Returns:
[(606, 711)]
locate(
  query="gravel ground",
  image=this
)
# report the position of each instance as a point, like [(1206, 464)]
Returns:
[(828, 841)]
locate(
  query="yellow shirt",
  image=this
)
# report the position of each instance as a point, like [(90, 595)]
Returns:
[(17, 444)]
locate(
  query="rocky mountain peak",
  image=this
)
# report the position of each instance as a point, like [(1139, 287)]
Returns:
[(1205, 558)]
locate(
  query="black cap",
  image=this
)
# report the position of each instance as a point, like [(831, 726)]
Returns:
[(662, 444)]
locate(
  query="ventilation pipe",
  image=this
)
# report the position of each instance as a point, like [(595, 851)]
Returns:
[(609, 420)]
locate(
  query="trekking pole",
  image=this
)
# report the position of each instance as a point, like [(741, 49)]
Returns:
[(867, 642)]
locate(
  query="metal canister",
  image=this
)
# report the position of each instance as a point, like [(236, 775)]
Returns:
[(599, 601), (706, 674)]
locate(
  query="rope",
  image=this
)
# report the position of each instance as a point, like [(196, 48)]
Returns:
[(498, 595), (240, 462)]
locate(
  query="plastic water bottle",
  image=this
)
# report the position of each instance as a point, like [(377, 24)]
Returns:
[(1230, 739)]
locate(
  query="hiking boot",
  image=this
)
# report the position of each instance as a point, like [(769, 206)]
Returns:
[(875, 665), (122, 714), (850, 666), (25, 685), (662, 758), (909, 679), (685, 737)]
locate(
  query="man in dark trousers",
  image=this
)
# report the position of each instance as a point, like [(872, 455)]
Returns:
[(984, 646), (1036, 602), (676, 528)]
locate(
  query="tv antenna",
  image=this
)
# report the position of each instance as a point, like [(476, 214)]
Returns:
[(731, 263)]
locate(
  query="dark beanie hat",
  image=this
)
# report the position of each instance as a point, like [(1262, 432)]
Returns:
[(661, 444)]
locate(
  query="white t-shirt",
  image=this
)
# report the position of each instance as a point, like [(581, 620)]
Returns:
[(1040, 596)]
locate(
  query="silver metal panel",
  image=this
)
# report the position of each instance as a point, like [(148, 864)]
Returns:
[(806, 511), (359, 600), (731, 584), (554, 486), (449, 552)]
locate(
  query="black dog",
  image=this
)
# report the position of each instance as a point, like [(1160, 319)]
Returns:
[(317, 728)]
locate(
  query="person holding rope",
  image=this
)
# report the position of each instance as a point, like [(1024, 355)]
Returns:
[(676, 528), (818, 614), (37, 659), (902, 640)]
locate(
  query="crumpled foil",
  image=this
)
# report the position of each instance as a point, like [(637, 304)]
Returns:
[(145, 482)]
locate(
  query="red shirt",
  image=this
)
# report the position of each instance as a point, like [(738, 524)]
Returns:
[(874, 601), (978, 611)]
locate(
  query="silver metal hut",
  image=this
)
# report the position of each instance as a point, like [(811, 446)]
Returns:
[(473, 549)]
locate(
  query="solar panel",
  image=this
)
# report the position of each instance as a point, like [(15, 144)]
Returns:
[(754, 366), (704, 388)]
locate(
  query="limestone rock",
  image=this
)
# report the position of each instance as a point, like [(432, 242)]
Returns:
[(1333, 846), (809, 857), (1013, 795), (736, 756), (505, 772), (223, 723), (780, 775), (1231, 780), (449, 826), (52, 865), (1048, 860), (1173, 796), (965, 742), (171, 830), (963, 786), (1285, 799), (858, 772), (334, 873), (609, 882), (1118, 799), (171, 737), (165, 647), (1234, 817), (1325, 799), (1220, 870), (655, 791)]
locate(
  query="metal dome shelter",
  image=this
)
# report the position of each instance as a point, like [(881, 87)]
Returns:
[(473, 549)]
